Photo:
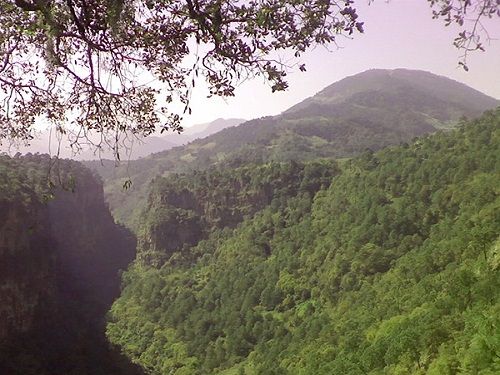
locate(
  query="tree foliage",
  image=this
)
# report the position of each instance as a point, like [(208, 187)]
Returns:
[(86, 65), (470, 16), (80, 61)]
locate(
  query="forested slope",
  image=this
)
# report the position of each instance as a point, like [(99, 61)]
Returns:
[(186, 208), (370, 110), (60, 255), (393, 269)]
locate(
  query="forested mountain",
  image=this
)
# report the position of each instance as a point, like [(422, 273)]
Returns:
[(60, 257), (367, 111), (444, 98), (393, 268)]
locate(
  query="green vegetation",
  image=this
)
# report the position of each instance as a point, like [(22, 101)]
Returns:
[(295, 245), (370, 110), (392, 269), (60, 254), (185, 208)]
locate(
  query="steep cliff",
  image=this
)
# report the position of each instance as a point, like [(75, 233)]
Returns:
[(184, 209), (60, 257)]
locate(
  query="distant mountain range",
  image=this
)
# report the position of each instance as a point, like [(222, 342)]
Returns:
[(201, 131), (369, 110), (155, 144), (138, 148)]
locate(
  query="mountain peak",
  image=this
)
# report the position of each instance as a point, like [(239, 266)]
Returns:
[(395, 81), (370, 110)]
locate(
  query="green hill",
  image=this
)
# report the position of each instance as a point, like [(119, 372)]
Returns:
[(438, 89), (392, 269), (370, 110)]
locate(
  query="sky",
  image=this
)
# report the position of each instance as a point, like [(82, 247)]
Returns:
[(398, 34)]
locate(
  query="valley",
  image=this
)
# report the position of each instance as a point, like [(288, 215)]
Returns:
[(355, 233), (393, 268)]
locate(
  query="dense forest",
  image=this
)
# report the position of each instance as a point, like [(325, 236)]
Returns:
[(60, 255), (355, 233), (391, 268), (370, 110)]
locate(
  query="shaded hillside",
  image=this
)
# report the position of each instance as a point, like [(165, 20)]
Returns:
[(60, 257), (394, 269), (368, 111)]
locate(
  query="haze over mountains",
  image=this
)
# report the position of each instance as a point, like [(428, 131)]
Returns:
[(201, 131), (370, 110), (135, 148), (155, 144)]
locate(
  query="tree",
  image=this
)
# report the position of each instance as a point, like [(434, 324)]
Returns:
[(88, 63), (81, 61)]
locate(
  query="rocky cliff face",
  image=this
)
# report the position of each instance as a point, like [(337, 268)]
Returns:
[(25, 273), (184, 209), (60, 258)]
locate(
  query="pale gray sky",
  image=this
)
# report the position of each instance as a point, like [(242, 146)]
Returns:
[(398, 34)]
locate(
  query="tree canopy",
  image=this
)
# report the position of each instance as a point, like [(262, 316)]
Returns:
[(386, 263), (87, 65)]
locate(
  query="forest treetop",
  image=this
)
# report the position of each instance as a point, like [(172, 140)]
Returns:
[(81, 64)]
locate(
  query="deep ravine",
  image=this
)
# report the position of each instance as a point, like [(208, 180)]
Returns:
[(61, 255)]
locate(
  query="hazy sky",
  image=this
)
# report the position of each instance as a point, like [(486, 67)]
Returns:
[(398, 34)]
